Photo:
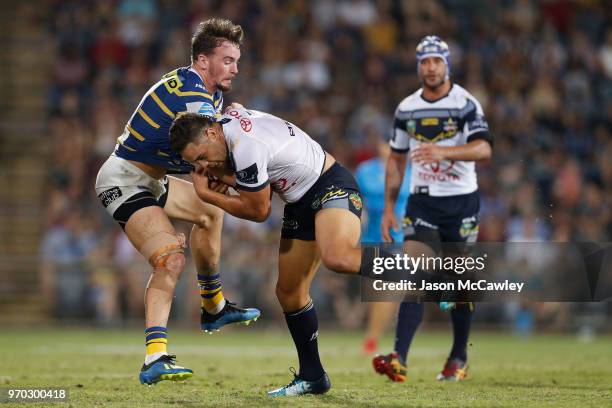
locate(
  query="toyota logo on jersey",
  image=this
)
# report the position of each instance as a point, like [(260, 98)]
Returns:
[(442, 167)]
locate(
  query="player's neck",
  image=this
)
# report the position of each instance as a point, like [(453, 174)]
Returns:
[(433, 94), (210, 86)]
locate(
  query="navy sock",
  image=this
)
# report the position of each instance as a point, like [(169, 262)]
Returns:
[(408, 320), (304, 327), (461, 317)]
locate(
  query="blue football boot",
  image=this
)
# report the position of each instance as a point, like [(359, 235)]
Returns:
[(229, 314), (446, 306), (164, 368), (300, 387)]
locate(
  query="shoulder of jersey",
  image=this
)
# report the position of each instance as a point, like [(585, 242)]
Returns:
[(407, 102), (190, 81), (226, 120), (230, 125), (460, 93)]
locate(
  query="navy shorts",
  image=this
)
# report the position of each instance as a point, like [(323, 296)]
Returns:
[(336, 188), (435, 220)]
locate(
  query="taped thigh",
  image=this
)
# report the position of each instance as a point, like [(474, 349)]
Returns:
[(161, 245)]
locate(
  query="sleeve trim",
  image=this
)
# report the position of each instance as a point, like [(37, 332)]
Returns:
[(396, 150), (252, 189), (481, 135)]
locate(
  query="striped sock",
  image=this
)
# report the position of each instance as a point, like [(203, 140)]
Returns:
[(210, 291), (156, 339)]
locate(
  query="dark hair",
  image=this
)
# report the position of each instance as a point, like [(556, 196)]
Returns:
[(211, 33), (186, 128)]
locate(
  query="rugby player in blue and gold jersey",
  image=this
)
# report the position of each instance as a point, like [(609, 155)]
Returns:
[(134, 188)]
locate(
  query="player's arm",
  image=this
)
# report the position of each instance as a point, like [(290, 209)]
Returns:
[(394, 176), (225, 176), (251, 179), (478, 145), (249, 205), (475, 150)]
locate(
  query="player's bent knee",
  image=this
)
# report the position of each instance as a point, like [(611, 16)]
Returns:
[(203, 221), (291, 299), (171, 266), (165, 250), (215, 213), (337, 262), (175, 264), (337, 259), (282, 293), (211, 219), (286, 294)]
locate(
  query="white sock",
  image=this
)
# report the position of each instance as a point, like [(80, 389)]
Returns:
[(149, 358), (217, 308)]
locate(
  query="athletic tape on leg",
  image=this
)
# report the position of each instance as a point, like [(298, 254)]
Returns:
[(157, 248)]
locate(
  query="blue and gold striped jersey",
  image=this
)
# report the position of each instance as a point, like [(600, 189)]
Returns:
[(145, 137)]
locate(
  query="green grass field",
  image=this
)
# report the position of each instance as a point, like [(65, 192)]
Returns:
[(237, 366)]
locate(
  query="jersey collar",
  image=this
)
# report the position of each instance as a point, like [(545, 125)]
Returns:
[(437, 99), (201, 79)]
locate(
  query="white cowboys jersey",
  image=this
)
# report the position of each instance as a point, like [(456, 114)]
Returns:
[(265, 149), (452, 120)]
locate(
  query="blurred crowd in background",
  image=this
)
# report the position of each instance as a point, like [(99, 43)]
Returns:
[(542, 71)]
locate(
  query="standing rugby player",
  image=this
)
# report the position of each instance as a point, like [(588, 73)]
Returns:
[(443, 129)]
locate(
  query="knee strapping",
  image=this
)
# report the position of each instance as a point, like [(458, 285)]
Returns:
[(158, 247)]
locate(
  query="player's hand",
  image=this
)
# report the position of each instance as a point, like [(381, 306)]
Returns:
[(233, 105), (389, 220), (200, 182), (427, 153), (216, 185), (223, 174)]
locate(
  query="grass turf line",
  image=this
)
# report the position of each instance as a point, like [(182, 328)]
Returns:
[(236, 367)]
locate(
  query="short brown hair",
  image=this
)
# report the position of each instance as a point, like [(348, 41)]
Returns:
[(211, 33), (186, 128)]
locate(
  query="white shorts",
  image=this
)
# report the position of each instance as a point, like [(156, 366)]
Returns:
[(123, 189)]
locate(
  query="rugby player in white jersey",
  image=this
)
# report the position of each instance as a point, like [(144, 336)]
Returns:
[(259, 154), (442, 127)]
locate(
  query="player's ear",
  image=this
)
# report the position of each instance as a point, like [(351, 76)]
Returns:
[(213, 133), (210, 133), (218, 132), (202, 61)]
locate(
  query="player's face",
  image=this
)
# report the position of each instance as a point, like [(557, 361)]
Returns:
[(222, 65), (432, 71), (209, 150)]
